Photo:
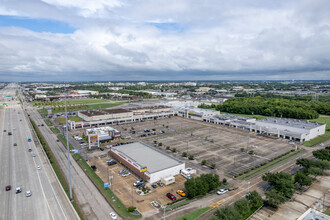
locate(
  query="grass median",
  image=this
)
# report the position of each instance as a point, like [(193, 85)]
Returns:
[(111, 198), (56, 167), (269, 165), (195, 214)]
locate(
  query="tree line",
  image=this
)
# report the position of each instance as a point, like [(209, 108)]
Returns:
[(272, 107)]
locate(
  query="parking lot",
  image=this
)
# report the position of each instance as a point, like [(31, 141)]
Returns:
[(231, 150), (123, 186)]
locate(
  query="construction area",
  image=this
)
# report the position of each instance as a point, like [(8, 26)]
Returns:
[(232, 151)]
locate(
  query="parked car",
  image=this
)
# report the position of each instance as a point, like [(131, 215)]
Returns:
[(171, 196), (4, 130), (121, 171), (33, 155), (138, 183), (222, 191), (126, 174), (15, 144), (8, 188), (181, 193), (160, 183), (113, 215), (111, 163), (154, 186), (101, 149)]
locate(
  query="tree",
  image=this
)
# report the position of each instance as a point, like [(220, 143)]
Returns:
[(323, 154), (242, 149), (302, 179), (315, 171), (227, 213), (242, 206), (213, 165), (224, 181), (190, 186), (251, 152), (191, 157), (174, 150), (282, 182), (184, 154), (203, 162), (255, 199), (274, 198)]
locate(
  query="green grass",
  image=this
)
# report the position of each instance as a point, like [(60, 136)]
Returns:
[(318, 140), (327, 212), (179, 204), (70, 102), (106, 192), (195, 214), (48, 122), (63, 140), (83, 107), (269, 165), (323, 120), (73, 118), (249, 116), (56, 167)]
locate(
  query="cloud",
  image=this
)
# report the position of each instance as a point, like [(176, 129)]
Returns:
[(154, 39)]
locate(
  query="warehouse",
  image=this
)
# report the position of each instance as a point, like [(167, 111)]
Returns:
[(139, 156), (102, 114)]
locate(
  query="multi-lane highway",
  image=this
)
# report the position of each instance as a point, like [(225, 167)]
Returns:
[(18, 168)]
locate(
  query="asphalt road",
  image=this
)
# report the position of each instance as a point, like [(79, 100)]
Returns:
[(18, 169), (92, 203)]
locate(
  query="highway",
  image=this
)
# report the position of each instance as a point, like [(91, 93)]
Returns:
[(19, 169), (93, 204)]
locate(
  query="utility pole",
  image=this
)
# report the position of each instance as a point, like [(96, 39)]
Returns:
[(67, 146), (132, 195)]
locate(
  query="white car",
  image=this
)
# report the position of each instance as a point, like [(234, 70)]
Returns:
[(126, 174), (113, 215), (222, 191), (28, 193), (38, 167)]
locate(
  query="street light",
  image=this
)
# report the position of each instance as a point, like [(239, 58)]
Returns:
[(67, 146)]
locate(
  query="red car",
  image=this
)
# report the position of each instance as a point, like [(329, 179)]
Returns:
[(171, 196), (8, 187)]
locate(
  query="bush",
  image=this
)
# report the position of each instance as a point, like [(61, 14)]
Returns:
[(184, 154), (213, 165), (203, 162), (251, 152), (155, 142), (174, 150), (160, 144), (242, 149), (168, 147), (191, 157), (224, 181), (131, 209)]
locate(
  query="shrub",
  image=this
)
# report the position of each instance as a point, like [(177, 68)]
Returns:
[(184, 154), (251, 152), (160, 144), (174, 150), (203, 162), (213, 165), (224, 181), (167, 147), (191, 157), (131, 209)]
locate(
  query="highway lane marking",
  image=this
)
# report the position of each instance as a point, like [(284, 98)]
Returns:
[(45, 171), (216, 204)]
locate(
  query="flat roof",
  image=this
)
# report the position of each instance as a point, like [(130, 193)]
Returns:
[(296, 123), (147, 156), (104, 111)]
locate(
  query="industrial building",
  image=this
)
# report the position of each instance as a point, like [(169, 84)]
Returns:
[(140, 157), (197, 113), (103, 114), (103, 133)]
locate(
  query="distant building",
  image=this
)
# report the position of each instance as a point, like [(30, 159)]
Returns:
[(85, 92), (104, 133)]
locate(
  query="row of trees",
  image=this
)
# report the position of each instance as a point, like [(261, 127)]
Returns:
[(274, 107), (283, 185), (202, 184), (241, 209)]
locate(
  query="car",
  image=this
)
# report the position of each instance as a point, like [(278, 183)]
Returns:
[(9, 133), (171, 196), (28, 193), (38, 167), (4, 130), (113, 215), (154, 129), (83, 144), (154, 186), (126, 174), (57, 140), (20, 120), (138, 183), (18, 190), (8, 188), (121, 171), (30, 150), (111, 163), (15, 144), (42, 124), (14, 128), (222, 191), (33, 155), (181, 193), (101, 149)]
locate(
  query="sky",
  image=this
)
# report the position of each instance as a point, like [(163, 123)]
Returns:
[(47, 40)]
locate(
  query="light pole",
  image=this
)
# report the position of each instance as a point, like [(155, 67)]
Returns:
[(67, 146)]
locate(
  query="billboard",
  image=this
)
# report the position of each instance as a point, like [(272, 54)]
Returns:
[(93, 141)]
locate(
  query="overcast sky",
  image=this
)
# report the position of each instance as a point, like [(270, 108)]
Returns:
[(164, 39)]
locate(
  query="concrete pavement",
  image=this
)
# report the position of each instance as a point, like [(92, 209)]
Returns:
[(18, 169)]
